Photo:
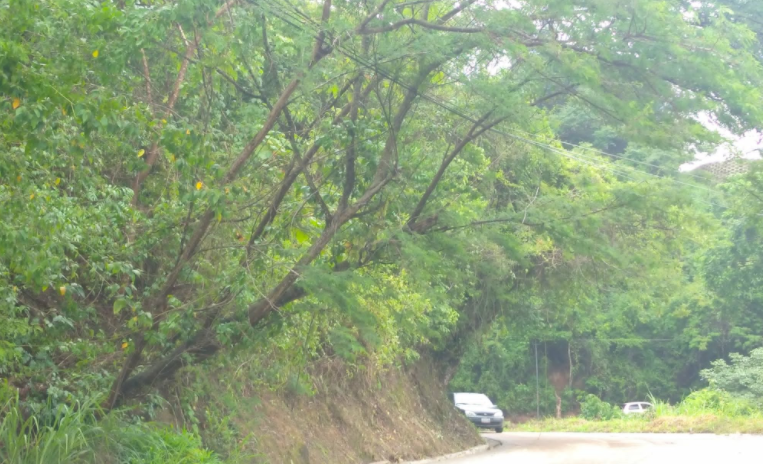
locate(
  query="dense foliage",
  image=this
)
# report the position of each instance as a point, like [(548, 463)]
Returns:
[(269, 183), (741, 377)]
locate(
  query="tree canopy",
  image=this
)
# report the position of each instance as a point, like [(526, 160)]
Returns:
[(183, 179)]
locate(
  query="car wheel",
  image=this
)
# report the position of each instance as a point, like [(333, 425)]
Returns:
[(499, 429)]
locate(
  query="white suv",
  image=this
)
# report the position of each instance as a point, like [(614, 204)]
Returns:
[(637, 408)]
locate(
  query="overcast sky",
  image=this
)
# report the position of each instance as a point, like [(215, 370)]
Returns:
[(746, 146)]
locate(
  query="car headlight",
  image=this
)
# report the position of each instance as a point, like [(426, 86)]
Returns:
[(499, 413), (470, 414)]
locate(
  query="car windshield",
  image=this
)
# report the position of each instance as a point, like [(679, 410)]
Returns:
[(476, 399)]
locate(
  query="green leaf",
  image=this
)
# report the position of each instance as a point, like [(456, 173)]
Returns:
[(299, 235), (119, 304)]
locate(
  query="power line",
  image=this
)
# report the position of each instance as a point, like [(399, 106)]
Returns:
[(585, 160), (590, 339), (462, 115), (624, 158)]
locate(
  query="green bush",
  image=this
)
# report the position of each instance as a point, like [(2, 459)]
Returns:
[(593, 408), (80, 433), (152, 444), (69, 437), (713, 401), (742, 376)]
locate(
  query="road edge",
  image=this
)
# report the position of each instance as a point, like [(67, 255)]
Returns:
[(490, 443)]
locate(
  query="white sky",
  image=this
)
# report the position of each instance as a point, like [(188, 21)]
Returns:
[(746, 146)]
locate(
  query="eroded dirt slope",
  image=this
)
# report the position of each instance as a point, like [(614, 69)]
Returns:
[(399, 414)]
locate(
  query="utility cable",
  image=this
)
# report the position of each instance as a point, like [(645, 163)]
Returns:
[(352, 56)]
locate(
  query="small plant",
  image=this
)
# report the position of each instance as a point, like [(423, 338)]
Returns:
[(593, 408), (719, 402), (742, 377), (67, 437), (153, 444), (81, 433)]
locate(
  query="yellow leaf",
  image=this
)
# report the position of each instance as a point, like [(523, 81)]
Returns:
[(31, 197), (125, 345), (95, 54), (227, 190), (16, 103), (141, 153), (134, 319), (172, 158), (164, 121), (44, 288), (58, 180), (63, 111), (300, 235), (62, 290), (188, 132), (199, 185), (18, 178)]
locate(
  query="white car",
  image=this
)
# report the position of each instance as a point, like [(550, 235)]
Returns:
[(479, 410), (637, 408)]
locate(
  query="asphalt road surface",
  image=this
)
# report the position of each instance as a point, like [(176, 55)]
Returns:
[(618, 448)]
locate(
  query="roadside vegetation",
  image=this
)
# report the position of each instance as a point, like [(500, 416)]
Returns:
[(704, 411), (79, 433), (732, 404), (205, 203)]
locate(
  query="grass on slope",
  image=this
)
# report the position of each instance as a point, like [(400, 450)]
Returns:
[(707, 423), (74, 434), (703, 411)]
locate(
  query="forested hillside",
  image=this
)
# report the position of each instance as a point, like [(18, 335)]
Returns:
[(202, 198)]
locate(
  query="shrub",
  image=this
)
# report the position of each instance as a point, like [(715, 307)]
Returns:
[(714, 401), (742, 376), (593, 408), (76, 435)]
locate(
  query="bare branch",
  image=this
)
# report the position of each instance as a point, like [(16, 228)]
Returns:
[(224, 8), (545, 98), (319, 51), (286, 184), (372, 15), (462, 6), (384, 173), (476, 130), (349, 174), (147, 76), (153, 152), (424, 24), (159, 301)]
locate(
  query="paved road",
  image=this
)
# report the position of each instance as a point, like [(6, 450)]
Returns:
[(611, 448)]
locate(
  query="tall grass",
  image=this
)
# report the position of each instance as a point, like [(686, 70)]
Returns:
[(68, 437), (75, 434), (703, 411), (708, 401)]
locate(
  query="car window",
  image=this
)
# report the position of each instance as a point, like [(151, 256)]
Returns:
[(646, 406), (633, 407), (476, 399)]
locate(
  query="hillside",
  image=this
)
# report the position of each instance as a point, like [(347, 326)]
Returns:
[(251, 218), (393, 415)]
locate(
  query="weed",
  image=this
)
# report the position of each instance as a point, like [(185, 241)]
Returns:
[(703, 411), (81, 433)]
